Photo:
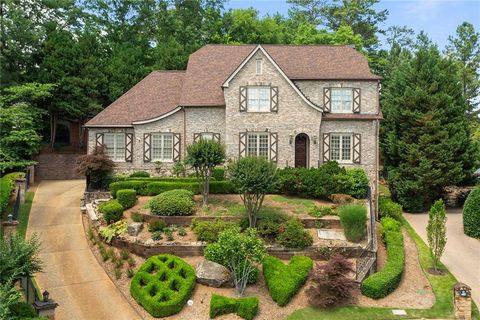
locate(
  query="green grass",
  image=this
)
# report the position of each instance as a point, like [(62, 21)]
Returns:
[(231, 208), (24, 213), (383, 190), (304, 205), (442, 288)]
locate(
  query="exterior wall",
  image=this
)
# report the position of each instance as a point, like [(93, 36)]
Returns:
[(294, 115), (204, 119), (313, 90)]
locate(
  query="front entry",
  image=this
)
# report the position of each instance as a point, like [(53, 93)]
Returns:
[(301, 150)]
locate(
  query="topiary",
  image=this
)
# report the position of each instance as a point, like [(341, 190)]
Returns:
[(127, 197), (140, 174), (246, 308), (471, 214), (112, 210), (294, 235), (177, 202)]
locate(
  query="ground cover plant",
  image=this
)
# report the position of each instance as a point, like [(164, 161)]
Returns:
[(113, 230), (353, 219), (163, 284), (246, 308), (177, 202), (284, 280)]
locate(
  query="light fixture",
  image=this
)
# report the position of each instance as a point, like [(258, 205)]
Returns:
[(291, 139), (314, 139), (45, 295)]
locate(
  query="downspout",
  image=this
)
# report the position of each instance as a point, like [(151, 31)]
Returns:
[(377, 149), (320, 142), (184, 149)]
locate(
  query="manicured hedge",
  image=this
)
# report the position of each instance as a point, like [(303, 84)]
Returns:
[(283, 281), (209, 230), (353, 218), (163, 285), (140, 174), (127, 197), (151, 179), (177, 202), (390, 224), (388, 208), (112, 210), (384, 282), (138, 186), (7, 185), (218, 174), (246, 308), (471, 214), (154, 188)]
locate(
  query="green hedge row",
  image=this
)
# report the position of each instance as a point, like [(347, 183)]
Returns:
[(471, 214), (151, 179), (163, 285), (384, 282), (7, 185), (246, 308), (127, 197), (388, 208), (177, 202)]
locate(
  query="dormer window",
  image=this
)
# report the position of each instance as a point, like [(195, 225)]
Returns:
[(259, 66), (342, 100)]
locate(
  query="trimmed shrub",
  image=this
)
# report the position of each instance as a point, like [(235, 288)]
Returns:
[(388, 208), (218, 173), (471, 214), (163, 285), (353, 218), (246, 308), (112, 211), (138, 186), (294, 235), (356, 183), (390, 224), (177, 202), (268, 223), (284, 280), (382, 283), (156, 188), (140, 174), (6, 188), (127, 197), (222, 187), (156, 225), (209, 230), (155, 179)]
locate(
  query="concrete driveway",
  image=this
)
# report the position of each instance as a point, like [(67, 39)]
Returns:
[(462, 253), (72, 275)]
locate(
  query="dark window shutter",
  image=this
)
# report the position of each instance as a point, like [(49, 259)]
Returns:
[(99, 139), (273, 99), (326, 99), (243, 98), (326, 147), (242, 146), (196, 137), (356, 100), (128, 147), (216, 137), (176, 147), (273, 147), (147, 151), (357, 148)]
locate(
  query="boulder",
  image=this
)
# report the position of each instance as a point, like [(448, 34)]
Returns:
[(134, 229), (213, 274)]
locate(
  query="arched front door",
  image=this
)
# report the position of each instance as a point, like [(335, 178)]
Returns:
[(301, 150)]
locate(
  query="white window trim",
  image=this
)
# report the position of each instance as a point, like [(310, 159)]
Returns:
[(269, 98), (259, 66), (257, 134), (161, 146), (115, 134), (332, 110), (341, 135)]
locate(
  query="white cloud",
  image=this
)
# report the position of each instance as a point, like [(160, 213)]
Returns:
[(422, 9)]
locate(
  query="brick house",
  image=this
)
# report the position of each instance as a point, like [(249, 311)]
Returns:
[(296, 105)]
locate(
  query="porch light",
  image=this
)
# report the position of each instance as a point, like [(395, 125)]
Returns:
[(45, 295), (314, 139), (291, 139)]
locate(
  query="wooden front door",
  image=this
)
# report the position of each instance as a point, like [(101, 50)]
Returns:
[(301, 150)]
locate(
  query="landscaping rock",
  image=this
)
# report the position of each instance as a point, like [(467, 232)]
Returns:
[(134, 229), (213, 275)]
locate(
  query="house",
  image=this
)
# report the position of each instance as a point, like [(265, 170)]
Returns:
[(296, 105)]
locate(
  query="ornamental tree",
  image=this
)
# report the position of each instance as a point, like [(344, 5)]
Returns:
[(437, 231), (253, 177), (203, 156), (95, 166)]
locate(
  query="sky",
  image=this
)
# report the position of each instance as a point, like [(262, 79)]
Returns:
[(438, 18)]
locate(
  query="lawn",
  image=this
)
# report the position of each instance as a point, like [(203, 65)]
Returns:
[(23, 214), (442, 287)]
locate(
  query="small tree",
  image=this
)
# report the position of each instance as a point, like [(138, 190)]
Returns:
[(330, 284), (95, 166), (239, 253), (253, 177), (205, 155), (436, 231)]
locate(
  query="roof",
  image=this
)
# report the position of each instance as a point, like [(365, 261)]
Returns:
[(161, 92)]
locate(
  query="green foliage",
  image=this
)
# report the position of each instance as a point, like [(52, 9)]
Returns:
[(471, 214), (137, 217), (138, 186), (209, 230), (157, 235), (385, 281), (155, 188), (157, 225), (390, 224), (253, 177), (112, 210), (127, 198), (218, 173), (177, 202), (182, 232), (140, 174), (23, 310), (6, 189), (96, 166), (320, 211), (294, 235), (437, 231), (179, 169), (163, 284), (283, 281), (269, 223), (388, 208), (113, 230), (353, 219), (246, 308)]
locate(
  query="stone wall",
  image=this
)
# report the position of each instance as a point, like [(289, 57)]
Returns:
[(57, 166)]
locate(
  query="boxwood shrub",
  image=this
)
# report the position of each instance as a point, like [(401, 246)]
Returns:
[(283, 281), (388, 208), (140, 174), (382, 283), (6, 188), (390, 224), (154, 188), (138, 186), (177, 202), (209, 230), (112, 210), (353, 218), (294, 235), (127, 197), (471, 214), (246, 308), (163, 285)]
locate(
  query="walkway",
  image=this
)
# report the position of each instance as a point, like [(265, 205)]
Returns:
[(72, 275), (462, 253)]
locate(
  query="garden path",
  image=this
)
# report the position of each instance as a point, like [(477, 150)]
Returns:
[(71, 274), (462, 253)]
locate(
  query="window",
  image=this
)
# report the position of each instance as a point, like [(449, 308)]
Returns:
[(206, 135), (258, 99), (341, 147), (259, 66), (257, 144), (115, 145), (341, 100), (162, 147)]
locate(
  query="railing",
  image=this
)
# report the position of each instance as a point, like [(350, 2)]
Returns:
[(367, 260), (16, 206), (29, 290)]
